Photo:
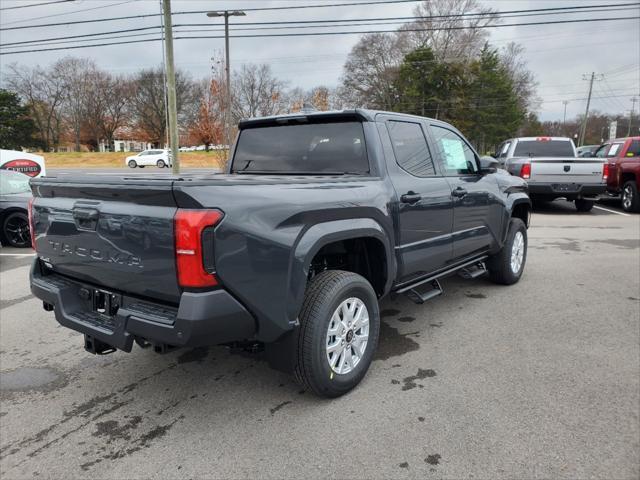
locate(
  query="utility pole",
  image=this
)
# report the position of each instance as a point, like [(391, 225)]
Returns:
[(633, 107), (164, 76), (583, 129), (227, 66), (171, 87), (564, 117)]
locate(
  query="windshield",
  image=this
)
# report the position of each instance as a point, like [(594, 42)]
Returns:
[(13, 182), (320, 148), (544, 148)]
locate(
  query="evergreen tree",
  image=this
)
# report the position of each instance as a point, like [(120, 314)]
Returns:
[(16, 126)]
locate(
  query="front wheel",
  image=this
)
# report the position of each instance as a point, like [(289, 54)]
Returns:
[(15, 230), (506, 266), (630, 198), (583, 205), (339, 328), (132, 164)]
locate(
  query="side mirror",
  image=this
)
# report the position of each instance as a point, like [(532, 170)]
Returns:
[(488, 164)]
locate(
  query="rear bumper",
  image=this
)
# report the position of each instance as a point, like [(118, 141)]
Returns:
[(201, 319), (571, 191)]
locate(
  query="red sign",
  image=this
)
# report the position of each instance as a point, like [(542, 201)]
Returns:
[(28, 167)]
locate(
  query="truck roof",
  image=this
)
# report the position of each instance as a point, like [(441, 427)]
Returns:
[(356, 113)]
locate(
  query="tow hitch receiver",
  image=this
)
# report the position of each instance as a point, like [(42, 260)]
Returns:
[(95, 346)]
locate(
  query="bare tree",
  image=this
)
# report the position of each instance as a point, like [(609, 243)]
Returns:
[(371, 70), (523, 79), (76, 73), (257, 92), (43, 92), (448, 34), (208, 126), (148, 102)]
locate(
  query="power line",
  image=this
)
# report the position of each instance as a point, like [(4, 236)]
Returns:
[(387, 20), (462, 15), (36, 4), (555, 22), (31, 19)]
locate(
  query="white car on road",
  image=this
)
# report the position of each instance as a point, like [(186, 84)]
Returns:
[(158, 157)]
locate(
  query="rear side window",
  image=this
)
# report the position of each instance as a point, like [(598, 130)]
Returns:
[(614, 150), (457, 155), (410, 148), (634, 149), (316, 148), (543, 148)]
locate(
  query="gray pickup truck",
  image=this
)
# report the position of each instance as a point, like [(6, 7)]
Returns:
[(318, 217), (552, 169)]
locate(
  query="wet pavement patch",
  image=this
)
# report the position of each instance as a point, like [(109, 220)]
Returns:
[(279, 406), (433, 459), (114, 431), (406, 319), (475, 295), (404, 465), (27, 378), (410, 381), (389, 312), (630, 243), (194, 355), (392, 343)]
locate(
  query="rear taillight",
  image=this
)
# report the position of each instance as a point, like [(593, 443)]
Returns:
[(605, 171), (32, 225), (194, 260), (525, 171)]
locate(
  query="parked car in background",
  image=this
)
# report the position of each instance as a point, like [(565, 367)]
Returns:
[(27, 163), (623, 159), (586, 150), (15, 194), (552, 169), (319, 216), (161, 158)]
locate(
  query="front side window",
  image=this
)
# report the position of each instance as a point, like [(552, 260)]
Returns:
[(457, 155), (314, 148), (504, 148), (12, 183), (614, 150), (410, 148), (634, 149)]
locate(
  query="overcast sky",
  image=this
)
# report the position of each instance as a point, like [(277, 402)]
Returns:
[(559, 55)]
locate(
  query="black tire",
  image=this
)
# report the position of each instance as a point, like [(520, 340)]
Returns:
[(583, 205), (132, 164), (325, 293), (15, 230), (160, 164), (630, 198), (499, 265)]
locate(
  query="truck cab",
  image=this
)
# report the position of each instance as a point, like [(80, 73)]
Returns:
[(623, 161)]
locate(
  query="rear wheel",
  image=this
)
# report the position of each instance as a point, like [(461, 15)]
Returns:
[(15, 230), (583, 205), (630, 198), (160, 163), (339, 328), (132, 164), (506, 266)]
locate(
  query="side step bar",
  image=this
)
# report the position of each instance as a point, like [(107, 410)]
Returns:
[(470, 269), (473, 271), (422, 296)]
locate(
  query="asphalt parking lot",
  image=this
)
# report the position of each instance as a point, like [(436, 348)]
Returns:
[(537, 380)]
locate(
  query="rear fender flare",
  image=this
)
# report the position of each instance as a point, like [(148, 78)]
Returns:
[(315, 237)]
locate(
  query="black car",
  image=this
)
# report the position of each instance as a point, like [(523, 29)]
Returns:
[(15, 194), (318, 217)]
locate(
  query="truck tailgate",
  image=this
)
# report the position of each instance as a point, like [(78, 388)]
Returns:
[(584, 171), (116, 233)]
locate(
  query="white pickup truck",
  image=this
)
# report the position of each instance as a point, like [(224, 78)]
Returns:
[(552, 169)]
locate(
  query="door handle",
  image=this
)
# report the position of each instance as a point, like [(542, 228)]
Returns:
[(410, 198), (459, 192)]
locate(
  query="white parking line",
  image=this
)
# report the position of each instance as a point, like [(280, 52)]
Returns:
[(17, 254), (611, 211)]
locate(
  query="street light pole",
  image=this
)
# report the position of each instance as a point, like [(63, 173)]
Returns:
[(171, 88), (227, 65)]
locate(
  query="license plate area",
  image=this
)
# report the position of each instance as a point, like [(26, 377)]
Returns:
[(566, 187), (105, 303)]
